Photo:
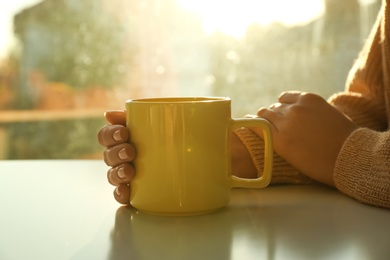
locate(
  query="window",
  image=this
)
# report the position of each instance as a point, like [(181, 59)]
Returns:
[(64, 62)]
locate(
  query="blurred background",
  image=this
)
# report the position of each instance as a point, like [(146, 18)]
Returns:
[(64, 62)]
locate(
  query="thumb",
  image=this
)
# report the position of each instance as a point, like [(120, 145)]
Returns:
[(116, 117)]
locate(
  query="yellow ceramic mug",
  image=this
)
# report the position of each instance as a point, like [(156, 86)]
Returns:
[(183, 164)]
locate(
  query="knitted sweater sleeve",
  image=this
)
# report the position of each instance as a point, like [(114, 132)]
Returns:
[(364, 99), (282, 171), (362, 169)]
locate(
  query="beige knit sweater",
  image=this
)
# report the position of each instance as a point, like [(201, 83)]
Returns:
[(362, 169)]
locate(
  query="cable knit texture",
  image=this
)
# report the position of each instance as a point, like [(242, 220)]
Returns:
[(362, 169), (283, 172)]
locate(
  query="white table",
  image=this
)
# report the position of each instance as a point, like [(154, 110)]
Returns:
[(64, 210)]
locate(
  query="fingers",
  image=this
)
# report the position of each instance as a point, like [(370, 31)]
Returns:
[(118, 154), (290, 97), (270, 113), (116, 117), (271, 116), (110, 135), (122, 194), (121, 174), (275, 105)]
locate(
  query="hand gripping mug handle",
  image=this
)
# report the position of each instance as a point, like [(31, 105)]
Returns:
[(265, 177)]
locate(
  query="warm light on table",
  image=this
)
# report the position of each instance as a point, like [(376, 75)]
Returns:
[(65, 210)]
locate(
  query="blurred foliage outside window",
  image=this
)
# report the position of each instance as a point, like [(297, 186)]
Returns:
[(90, 56)]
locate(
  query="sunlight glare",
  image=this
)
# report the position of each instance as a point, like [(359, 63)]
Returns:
[(7, 11), (233, 17)]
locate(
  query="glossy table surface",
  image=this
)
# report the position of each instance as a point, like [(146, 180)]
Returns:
[(65, 210)]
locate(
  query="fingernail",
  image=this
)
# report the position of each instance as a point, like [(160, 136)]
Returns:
[(117, 191), (123, 154), (117, 135), (121, 173)]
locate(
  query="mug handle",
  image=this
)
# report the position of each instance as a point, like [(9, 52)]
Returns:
[(265, 178)]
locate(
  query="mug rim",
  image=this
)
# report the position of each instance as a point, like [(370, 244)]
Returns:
[(179, 99)]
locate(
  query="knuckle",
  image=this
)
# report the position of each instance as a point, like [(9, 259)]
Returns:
[(106, 158), (286, 93), (297, 109), (124, 133), (107, 132), (129, 170), (110, 157), (310, 97), (110, 177), (102, 136), (262, 111), (130, 150)]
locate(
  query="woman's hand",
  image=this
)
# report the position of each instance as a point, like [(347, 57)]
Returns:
[(118, 154), (308, 132)]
